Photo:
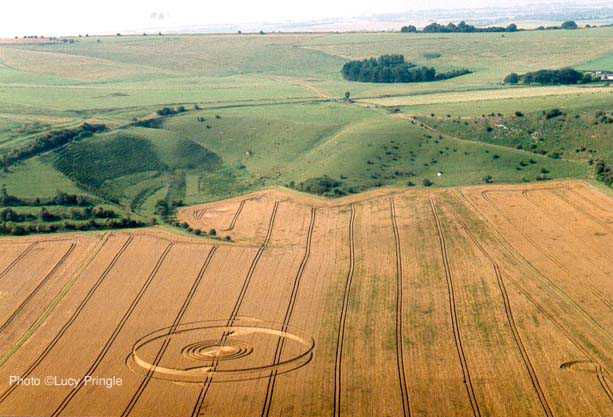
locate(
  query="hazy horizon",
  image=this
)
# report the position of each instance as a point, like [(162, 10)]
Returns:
[(66, 17)]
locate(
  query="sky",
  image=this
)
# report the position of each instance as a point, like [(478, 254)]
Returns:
[(67, 17)]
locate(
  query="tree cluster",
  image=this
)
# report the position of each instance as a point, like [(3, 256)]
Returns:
[(461, 27), (393, 69), (550, 77)]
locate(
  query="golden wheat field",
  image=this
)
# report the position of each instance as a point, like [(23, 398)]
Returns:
[(477, 301)]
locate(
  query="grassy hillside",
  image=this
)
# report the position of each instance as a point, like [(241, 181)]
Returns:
[(271, 110)]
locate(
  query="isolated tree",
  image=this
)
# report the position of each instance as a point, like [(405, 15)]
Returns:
[(408, 29), (347, 95), (569, 25)]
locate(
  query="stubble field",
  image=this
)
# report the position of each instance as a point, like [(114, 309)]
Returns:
[(478, 301)]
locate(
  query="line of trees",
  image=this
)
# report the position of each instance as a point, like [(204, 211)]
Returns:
[(394, 69), (550, 77), (50, 141), (60, 199), (464, 27), (461, 27), (7, 228)]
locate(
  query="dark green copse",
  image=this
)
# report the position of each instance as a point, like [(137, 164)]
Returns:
[(393, 69), (569, 24), (562, 76)]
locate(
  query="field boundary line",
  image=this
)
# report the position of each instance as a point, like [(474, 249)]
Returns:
[(406, 404), (601, 371), (288, 315), (72, 318), (177, 321), (457, 336), (343, 318), (109, 343), (41, 284), (511, 320), (15, 261), (254, 263)]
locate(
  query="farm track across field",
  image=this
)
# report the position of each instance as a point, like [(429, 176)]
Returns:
[(406, 405), (342, 321), (40, 285), (288, 315), (457, 336), (177, 321), (239, 301), (72, 318)]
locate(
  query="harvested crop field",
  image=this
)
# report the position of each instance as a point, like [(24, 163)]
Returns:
[(477, 301)]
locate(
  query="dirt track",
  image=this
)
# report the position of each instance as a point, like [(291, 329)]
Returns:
[(479, 301)]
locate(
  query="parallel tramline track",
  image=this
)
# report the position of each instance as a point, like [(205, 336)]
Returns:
[(15, 261), (40, 285), (72, 318), (343, 318), (406, 405), (199, 214), (601, 371), (591, 202), (595, 291), (457, 336), (241, 206), (583, 211), (206, 386), (511, 321), (177, 321), (544, 277), (109, 343), (288, 315)]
